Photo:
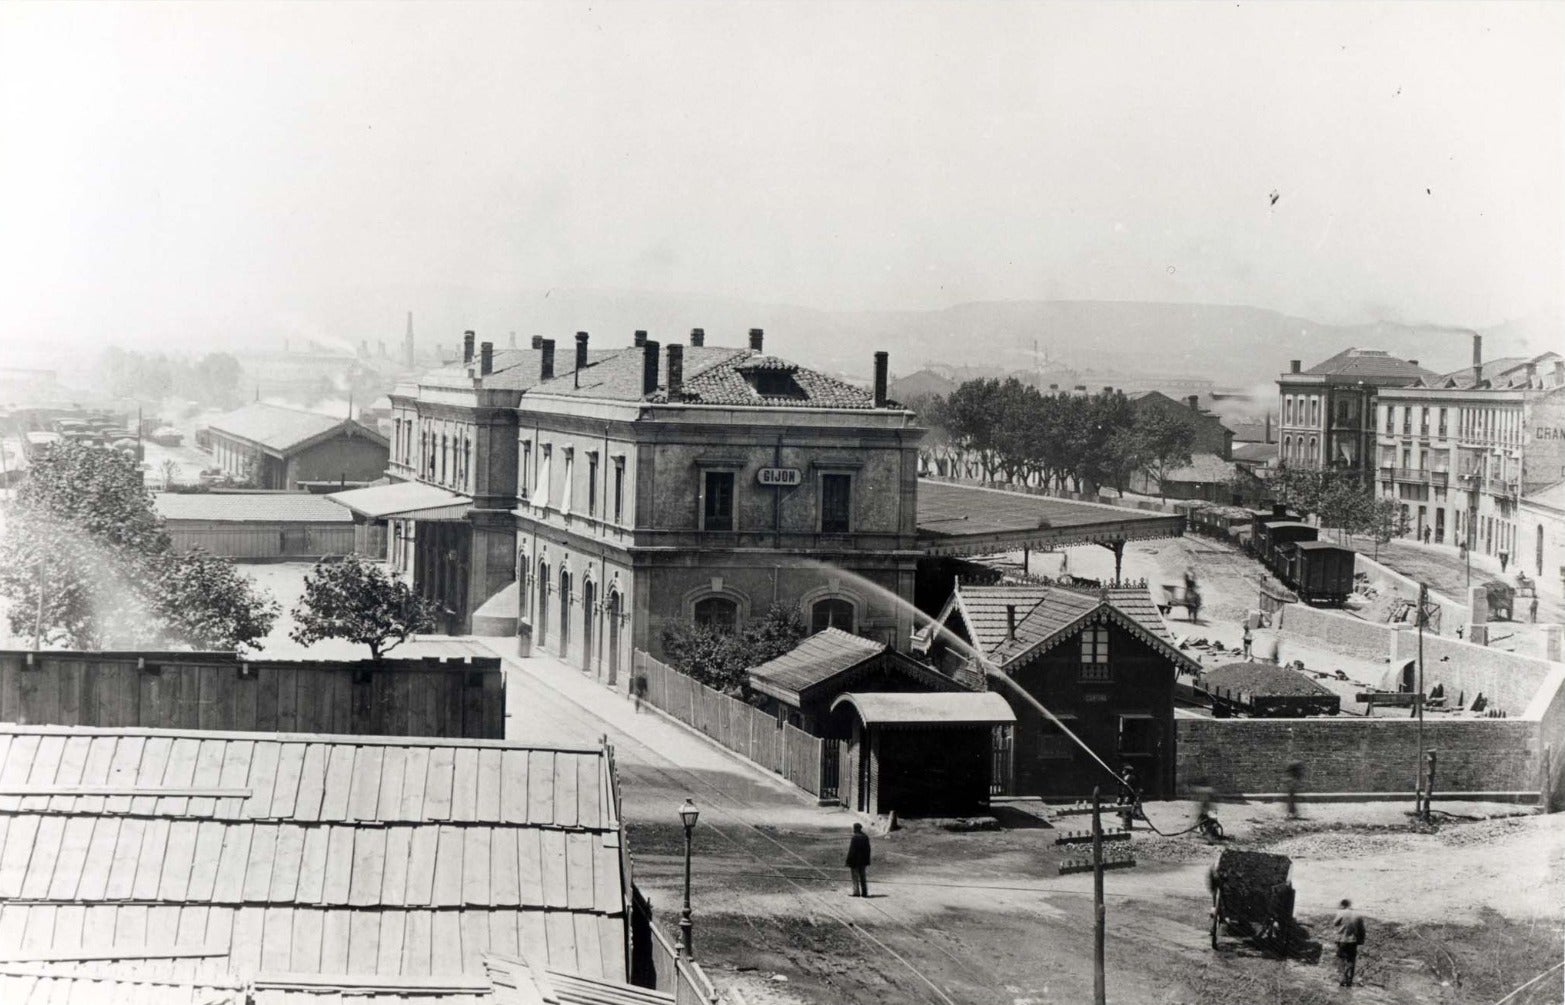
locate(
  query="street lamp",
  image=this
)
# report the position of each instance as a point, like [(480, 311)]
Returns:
[(688, 815)]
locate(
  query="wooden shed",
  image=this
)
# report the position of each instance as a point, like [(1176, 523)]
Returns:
[(257, 526), (929, 754)]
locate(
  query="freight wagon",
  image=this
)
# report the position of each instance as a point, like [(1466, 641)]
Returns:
[(1321, 572)]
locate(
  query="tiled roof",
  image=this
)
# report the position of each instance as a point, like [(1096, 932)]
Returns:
[(1262, 680), (815, 660), (1063, 608), (1505, 372), (1255, 452), (1203, 468), (353, 862), (712, 375), (1369, 364), (250, 507), (1552, 496), (282, 429), (984, 610)]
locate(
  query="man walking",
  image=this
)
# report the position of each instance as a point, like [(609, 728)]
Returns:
[(1350, 935), (1293, 776), (1130, 798), (858, 860)]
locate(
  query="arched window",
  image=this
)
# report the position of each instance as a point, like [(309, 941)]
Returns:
[(522, 596), (833, 612), (615, 605), (717, 612), (541, 622), (1287, 410), (565, 611)]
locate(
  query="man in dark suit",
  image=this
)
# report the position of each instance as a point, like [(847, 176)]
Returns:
[(858, 860), (1350, 935)]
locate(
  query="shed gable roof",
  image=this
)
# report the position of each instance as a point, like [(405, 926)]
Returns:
[(284, 430)]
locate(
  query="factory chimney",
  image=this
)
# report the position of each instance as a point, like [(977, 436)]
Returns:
[(407, 343), (1477, 359)]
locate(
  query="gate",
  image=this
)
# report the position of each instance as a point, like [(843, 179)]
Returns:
[(1001, 760), (830, 761)]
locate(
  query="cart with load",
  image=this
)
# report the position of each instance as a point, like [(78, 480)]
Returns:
[(1252, 896)]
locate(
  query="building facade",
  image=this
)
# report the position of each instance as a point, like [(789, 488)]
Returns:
[(1208, 434), (636, 485), (1459, 451), (1326, 414)]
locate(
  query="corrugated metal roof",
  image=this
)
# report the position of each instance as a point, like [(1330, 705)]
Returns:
[(282, 429), (250, 507), (353, 862), (948, 510), (935, 708), (818, 658), (397, 499)]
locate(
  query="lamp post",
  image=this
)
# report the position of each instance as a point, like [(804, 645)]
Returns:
[(688, 815)]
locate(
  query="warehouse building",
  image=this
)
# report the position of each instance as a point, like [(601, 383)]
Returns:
[(272, 447), (256, 526)]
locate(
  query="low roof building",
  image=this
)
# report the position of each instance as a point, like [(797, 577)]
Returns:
[(278, 447)]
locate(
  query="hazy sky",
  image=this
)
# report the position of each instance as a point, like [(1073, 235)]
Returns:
[(168, 170)]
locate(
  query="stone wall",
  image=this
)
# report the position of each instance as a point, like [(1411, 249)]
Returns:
[(1509, 681), (1360, 755), (1388, 580), (1346, 633)]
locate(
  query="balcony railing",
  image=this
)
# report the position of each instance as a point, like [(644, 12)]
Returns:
[(1412, 475), (1439, 478)]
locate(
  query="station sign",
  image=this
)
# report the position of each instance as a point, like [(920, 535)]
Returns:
[(780, 477)]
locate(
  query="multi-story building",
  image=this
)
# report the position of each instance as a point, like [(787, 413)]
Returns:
[(640, 485), (1326, 414), (1459, 450)]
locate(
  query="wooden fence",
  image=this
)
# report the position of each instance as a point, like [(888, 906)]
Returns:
[(809, 762), (459, 698)]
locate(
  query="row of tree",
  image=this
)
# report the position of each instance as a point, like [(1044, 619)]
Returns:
[(1338, 500), (992, 429), (212, 379)]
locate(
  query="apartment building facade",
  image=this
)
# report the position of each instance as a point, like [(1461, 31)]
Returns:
[(1326, 414)]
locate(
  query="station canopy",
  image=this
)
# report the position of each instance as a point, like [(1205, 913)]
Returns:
[(414, 500), (968, 520)]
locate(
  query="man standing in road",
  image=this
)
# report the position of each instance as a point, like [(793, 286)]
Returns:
[(1249, 638), (858, 860), (1350, 935)]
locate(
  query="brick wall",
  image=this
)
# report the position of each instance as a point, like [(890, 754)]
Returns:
[(1509, 681), (1360, 755), (1346, 633)]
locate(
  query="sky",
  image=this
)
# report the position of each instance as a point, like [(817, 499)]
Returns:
[(177, 175)]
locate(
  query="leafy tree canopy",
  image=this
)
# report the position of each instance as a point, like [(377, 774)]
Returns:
[(361, 602), (720, 658)]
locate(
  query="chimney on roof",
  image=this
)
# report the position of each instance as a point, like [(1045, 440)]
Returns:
[(486, 359), (1294, 365), (882, 366), (755, 339), (1477, 359), (697, 338), (1194, 401), (467, 346), (1412, 362), (546, 364), (649, 366), (641, 338), (676, 371), (1010, 622), (581, 350), (537, 341)]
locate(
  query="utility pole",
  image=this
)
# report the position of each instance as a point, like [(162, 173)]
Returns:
[(1418, 702), (1097, 898)]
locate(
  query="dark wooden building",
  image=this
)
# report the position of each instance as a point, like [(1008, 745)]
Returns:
[(919, 754), (280, 448), (801, 685), (1102, 661)]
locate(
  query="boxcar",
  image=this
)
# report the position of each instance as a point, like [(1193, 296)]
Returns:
[(1322, 572)]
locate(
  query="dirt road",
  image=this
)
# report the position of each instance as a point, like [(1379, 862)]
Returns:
[(984, 916)]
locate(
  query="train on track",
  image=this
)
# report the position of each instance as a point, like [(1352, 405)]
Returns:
[(1318, 571)]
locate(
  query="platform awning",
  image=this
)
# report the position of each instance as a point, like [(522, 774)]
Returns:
[(969, 520), (941, 708), (404, 499)]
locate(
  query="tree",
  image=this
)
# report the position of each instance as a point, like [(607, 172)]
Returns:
[(361, 602), (97, 490), (720, 658), (204, 600)]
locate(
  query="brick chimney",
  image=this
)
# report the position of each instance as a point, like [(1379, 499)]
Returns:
[(1294, 365), (546, 366), (697, 338), (1194, 401), (1010, 622), (581, 350), (676, 371), (649, 365), (755, 339), (537, 341), (641, 338), (882, 364), (1477, 359), (486, 359), (467, 347)]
